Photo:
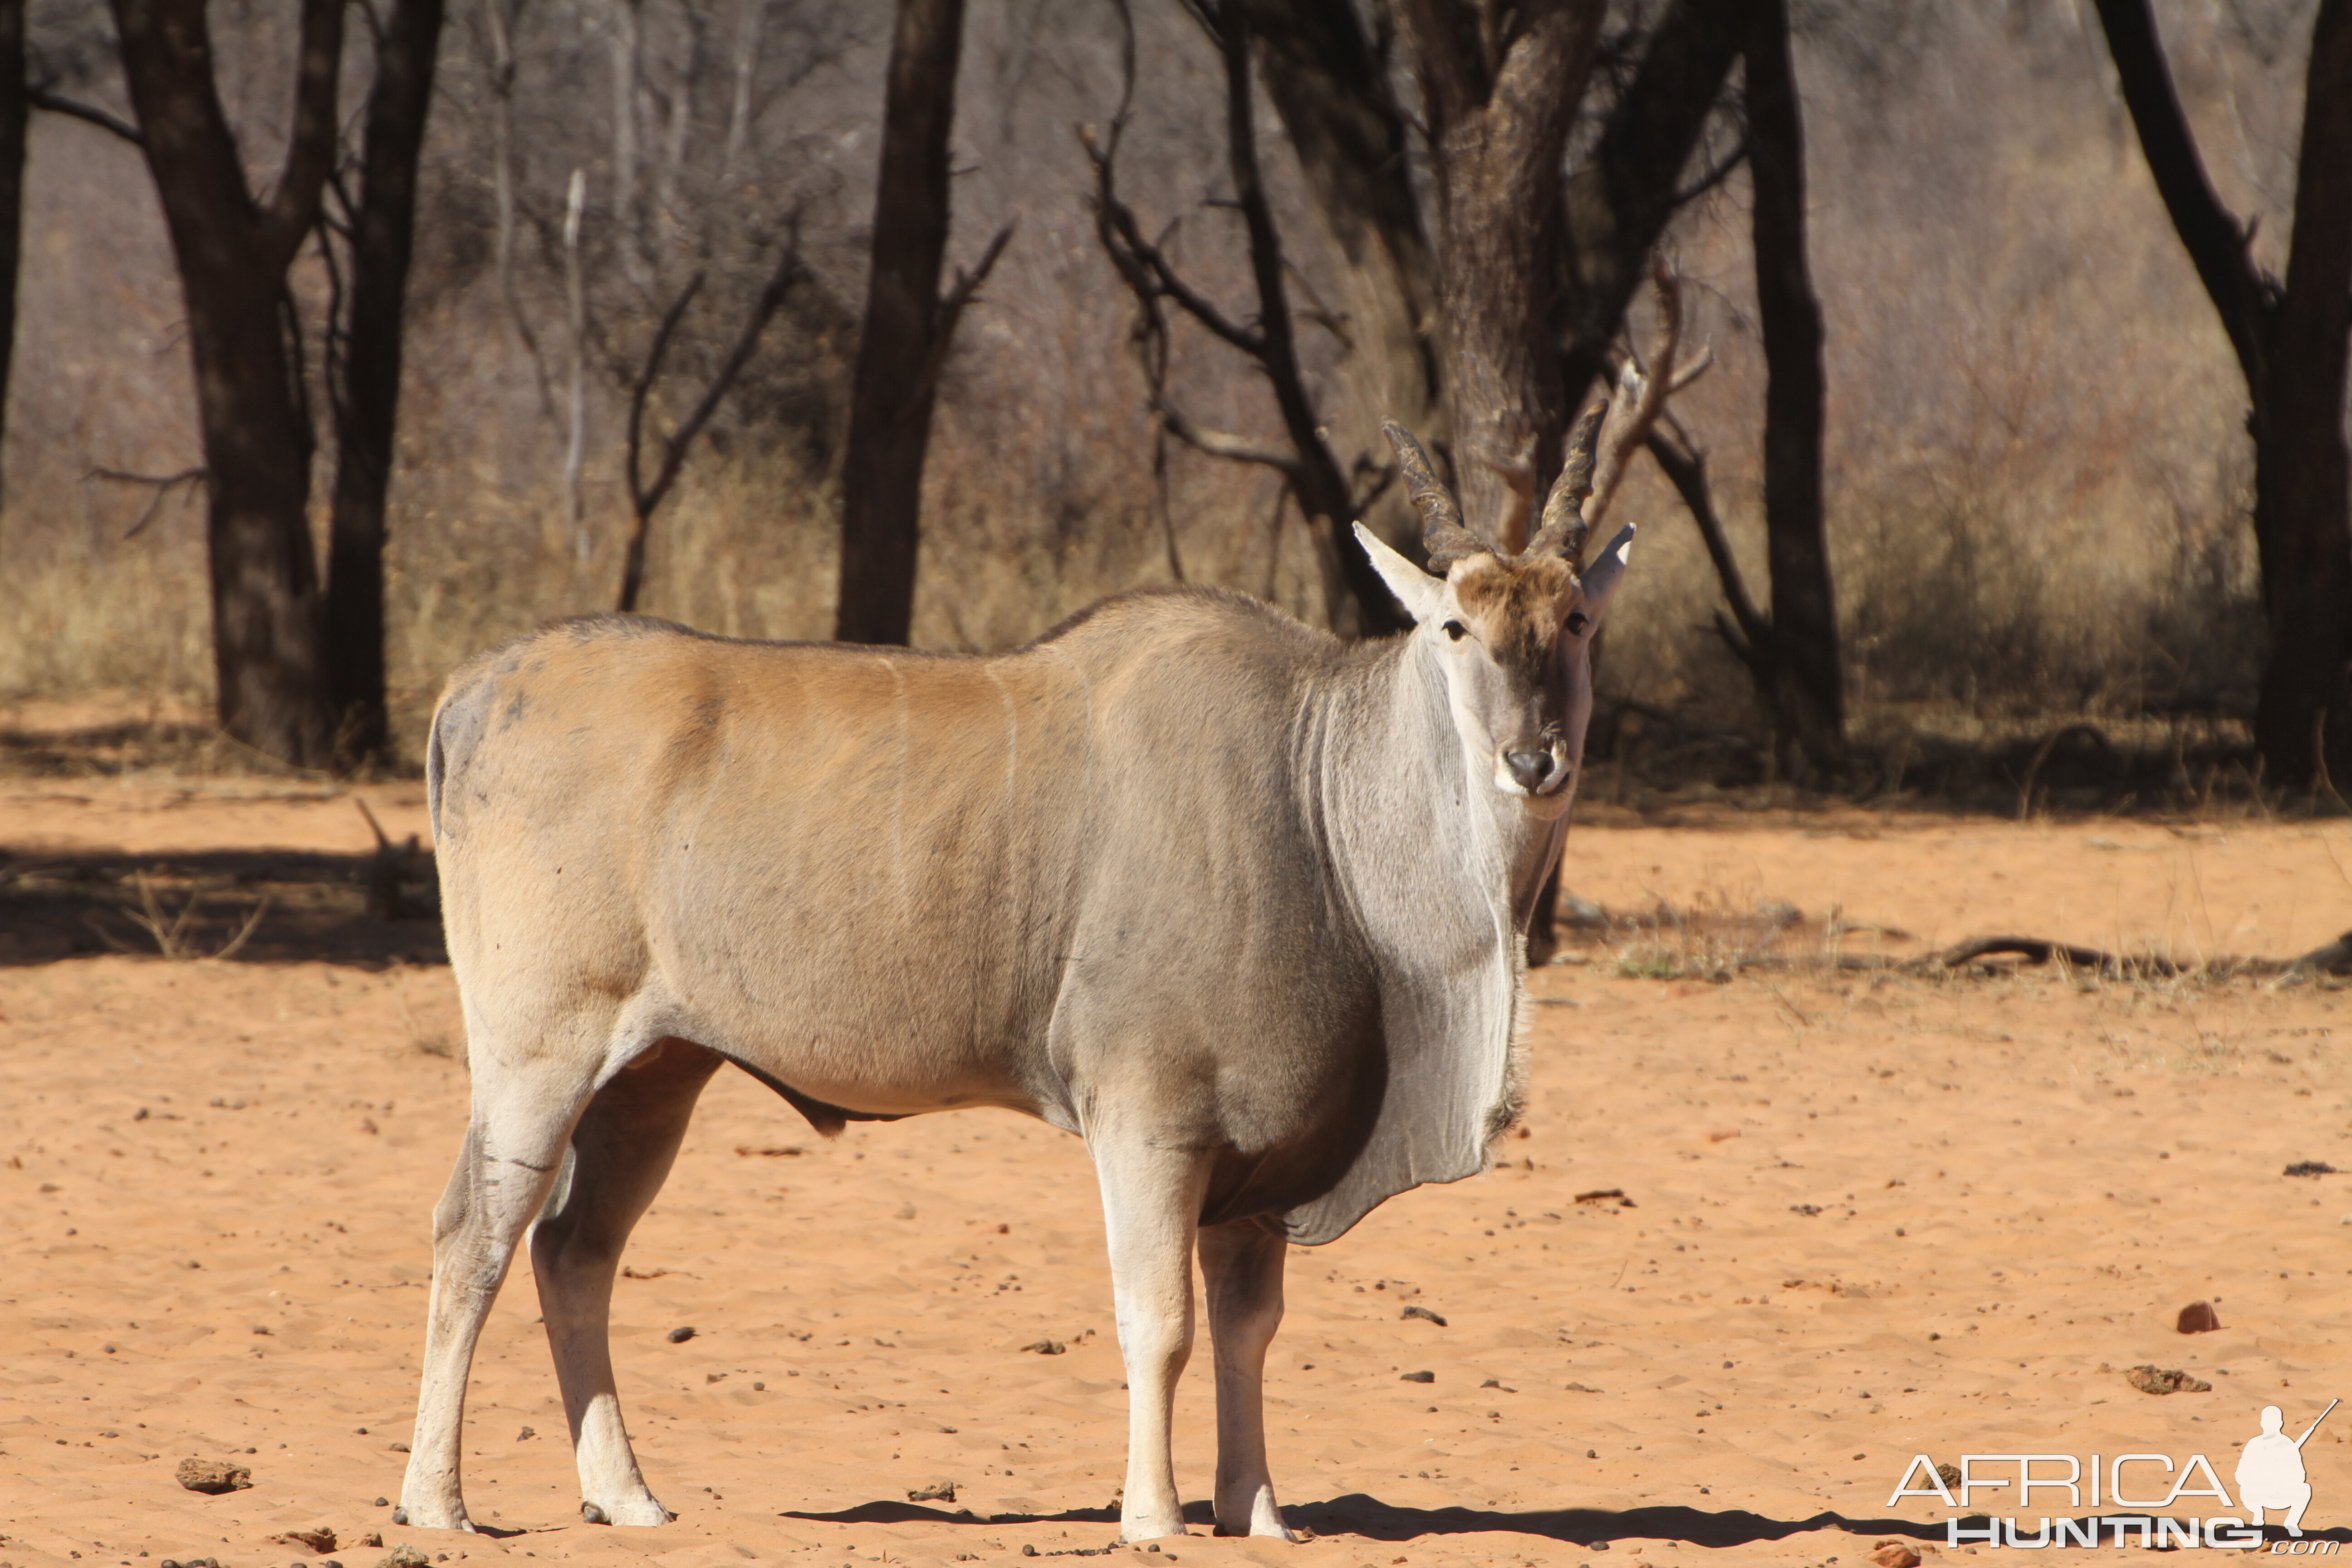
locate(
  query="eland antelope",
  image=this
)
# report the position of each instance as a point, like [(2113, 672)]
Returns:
[(1241, 906)]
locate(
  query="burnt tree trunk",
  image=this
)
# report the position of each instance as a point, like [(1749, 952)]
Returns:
[(381, 238), (233, 253), (1331, 89), (15, 104), (2291, 341), (1499, 89), (1807, 694), (898, 353)]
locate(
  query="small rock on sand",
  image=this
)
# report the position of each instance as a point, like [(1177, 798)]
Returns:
[(1424, 1314), (1893, 1554), (1418, 1377), (2198, 1318), (404, 1556), (318, 1538), (679, 1335), (2150, 1379), (213, 1476), (1046, 1347), (943, 1492)]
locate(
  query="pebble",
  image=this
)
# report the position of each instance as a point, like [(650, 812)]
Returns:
[(679, 1335), (1418, 1377)]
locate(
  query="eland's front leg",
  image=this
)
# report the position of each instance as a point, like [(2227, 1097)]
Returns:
[(1151, 1205), (1241, 1262)]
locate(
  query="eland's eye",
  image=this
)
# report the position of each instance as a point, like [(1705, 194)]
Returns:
[(1576, 623), (1456, 630)]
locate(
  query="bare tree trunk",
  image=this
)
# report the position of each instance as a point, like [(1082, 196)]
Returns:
[(1499, 88), (15, 106), (233, 253), (2302, 514), (891, 397), (382, 232), (2291, 345), (1332, 92), (1808, 690)]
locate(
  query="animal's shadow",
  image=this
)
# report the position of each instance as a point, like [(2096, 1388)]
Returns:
[(1361, 1515)]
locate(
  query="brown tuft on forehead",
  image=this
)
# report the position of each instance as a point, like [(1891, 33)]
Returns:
[(1514, 604)]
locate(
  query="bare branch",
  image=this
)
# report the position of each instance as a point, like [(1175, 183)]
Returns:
[(1713, 177), (312, 145), (1145, 266), (164, 486), (73, 108), (788, 272), (639, 495), (1217, 444), (1685, 469), (952, 307), (1642, 396), (2218, 244)]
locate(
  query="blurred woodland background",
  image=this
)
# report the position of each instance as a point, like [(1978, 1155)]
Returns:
[(1194, 250)]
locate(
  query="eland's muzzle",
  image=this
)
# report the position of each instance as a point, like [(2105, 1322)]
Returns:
[(1529, 769)]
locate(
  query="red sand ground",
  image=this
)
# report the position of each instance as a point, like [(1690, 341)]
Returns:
[(218, 1174)]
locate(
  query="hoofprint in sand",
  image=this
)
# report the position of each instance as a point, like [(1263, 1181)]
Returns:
[(1913, 1216)]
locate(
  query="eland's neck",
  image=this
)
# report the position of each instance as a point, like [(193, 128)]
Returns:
[(1411, 817)]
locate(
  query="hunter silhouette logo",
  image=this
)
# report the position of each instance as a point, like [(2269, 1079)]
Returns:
[(2270, 1471), (2270, 1477)]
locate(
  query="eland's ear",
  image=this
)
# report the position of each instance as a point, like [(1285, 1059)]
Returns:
[(1422, 594), (1600, 578)]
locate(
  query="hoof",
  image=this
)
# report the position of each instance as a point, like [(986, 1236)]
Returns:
[(424, 1519), (644, 1512)]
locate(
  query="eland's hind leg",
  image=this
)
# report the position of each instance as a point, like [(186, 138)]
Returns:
[(514, 1142), (1241, 1264), (1151, 1205), (621, 1153)]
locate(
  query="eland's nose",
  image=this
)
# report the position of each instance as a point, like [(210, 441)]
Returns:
[(1530, 768)]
